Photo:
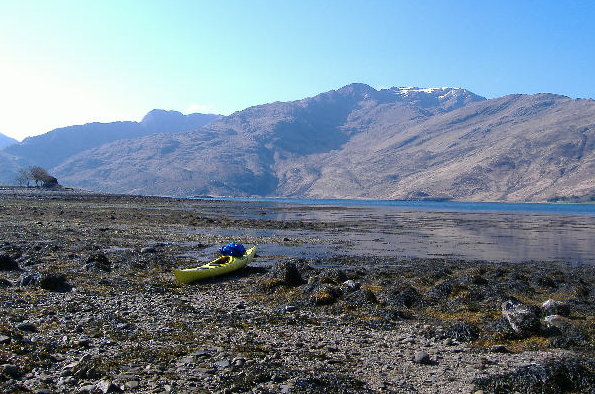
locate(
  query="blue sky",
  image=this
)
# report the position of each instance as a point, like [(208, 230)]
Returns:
[(65, 62)]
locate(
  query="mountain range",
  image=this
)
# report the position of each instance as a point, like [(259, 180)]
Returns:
[(353, 142)]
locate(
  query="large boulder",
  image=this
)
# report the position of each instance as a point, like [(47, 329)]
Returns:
[(286, 273), (553, 307), (523, 319)]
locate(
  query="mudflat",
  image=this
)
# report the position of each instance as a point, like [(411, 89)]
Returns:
[(337, 300)]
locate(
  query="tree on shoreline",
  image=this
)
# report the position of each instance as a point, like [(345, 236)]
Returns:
[(36, 174), (23, 176)]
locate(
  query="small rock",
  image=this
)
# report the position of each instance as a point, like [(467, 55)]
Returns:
[(499, 349), (421, 357), (570, 337), (402, 296), (200, 354), (556, 376), (351, 285), (105, 386), (26, 326), (186, 360), (7, 263), (29, 279), (148, 249), (325, 295), (222, 364), (10, 370), (54, 282), (85, 357), (553, 307), (132, 384), (88, 388), (557, 321), (4, 339), (99, 262), (5, 283), (290, 308)]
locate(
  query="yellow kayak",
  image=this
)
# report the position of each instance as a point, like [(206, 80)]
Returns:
[(219, 266)]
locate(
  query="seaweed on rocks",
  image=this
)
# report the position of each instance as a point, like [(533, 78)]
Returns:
[(571, 338), (403, 296), (557, 376), (462, 332), (333, 276), (325, 295), (98, 261), (361, 297)]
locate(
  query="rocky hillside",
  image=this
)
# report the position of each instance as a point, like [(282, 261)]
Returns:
[(52, 148), (358, 142)]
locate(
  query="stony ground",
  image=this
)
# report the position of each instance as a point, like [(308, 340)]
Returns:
[(88, 304)]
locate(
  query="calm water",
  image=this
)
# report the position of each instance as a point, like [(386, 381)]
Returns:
[(484, 231), (452, 206)]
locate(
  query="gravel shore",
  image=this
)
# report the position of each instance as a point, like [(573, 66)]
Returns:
[(88, 304)]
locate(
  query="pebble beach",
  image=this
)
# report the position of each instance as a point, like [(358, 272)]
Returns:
[(88, 304)]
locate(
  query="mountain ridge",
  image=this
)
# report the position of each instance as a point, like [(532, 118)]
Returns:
[(360, 142), (6, 141), (53, 147)]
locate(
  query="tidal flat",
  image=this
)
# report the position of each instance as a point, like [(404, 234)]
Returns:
[(339, 299)]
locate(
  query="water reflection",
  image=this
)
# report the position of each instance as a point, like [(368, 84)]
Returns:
[(381, 231)]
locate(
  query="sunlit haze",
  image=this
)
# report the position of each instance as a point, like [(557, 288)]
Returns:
[(66, 62)]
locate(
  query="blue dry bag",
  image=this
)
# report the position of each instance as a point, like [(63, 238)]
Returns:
[(233, 249)]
